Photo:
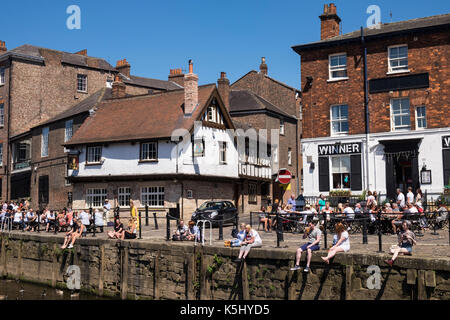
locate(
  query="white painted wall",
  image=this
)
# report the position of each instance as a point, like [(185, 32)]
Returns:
[(430, 154)]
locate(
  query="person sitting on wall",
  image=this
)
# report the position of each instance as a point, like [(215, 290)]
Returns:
[(240, 237), (252, 240), (406, 240), (62, 221), (98, 220), (118, 230), (50, 219), (19, 220), (193, 232), (32, 220), (85, 220), (181, 232), (77, 230), (314, 234), (131, 231), (341, 243)]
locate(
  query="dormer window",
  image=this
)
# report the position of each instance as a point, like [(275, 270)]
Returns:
[(213, 114)]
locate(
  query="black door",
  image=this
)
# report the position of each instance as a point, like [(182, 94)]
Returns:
[(43, 192)]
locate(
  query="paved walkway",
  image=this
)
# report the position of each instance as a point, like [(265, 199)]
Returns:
[(428, 246)]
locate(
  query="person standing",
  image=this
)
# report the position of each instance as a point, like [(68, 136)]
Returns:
[(321, 203), (291, 202), (134, 213), (106, 211), (401, 199), (410, 196), (314, 235)]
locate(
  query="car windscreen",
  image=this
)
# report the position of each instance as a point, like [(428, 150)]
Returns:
[(211, 206)]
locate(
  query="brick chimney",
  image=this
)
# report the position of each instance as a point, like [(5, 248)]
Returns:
[(118, 88), (263, 66), (190, 91), (82, 52), (3, 46), (223, 85), (123, 67), (329, 26), (177, 76)]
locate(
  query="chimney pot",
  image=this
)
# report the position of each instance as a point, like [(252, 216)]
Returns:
[(263, 67), (223, 86), (190, 91), (330, 21), (123, 67), (3, 46), (118, 88)]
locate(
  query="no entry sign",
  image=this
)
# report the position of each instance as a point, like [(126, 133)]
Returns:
[(284, 176)]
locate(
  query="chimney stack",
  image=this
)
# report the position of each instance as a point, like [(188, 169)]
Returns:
[(263, 67), (177, 76), (330, 21), (82, 52), (223, 85), (190, 91), (123, 67), (118, 88), (3, 46)]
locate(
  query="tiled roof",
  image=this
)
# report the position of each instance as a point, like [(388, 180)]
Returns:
[(247, 101), (383, 30), (140, 118)]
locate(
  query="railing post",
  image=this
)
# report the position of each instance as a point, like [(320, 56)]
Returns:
[(55, 224), (325, 232), (155, 220), (146, 215), (364, 221), (93, 221), (279, 231), (448, 220), (251, 219), (221, 228), (39, 222), (380, 244), (140, 224), (167, 227), (23, 221), (434, 233), (237, 222)]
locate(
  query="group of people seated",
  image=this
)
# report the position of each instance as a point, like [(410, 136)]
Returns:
[(120, 233), (188, 232)]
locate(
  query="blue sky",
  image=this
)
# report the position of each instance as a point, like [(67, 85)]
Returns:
[(157, 35)]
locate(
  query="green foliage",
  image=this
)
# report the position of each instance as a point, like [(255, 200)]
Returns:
[(340, 193), (362, 197)]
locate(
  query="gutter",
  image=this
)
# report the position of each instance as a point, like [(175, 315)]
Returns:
[(366, 107), (8, 148)]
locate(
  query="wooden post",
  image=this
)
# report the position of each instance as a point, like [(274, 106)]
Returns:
[(348, 282), (421, 289), (156, 294), (124, 280), (203, 279), (190, 276), (19, 258), (54, 265), (3, 258), (245, 289)]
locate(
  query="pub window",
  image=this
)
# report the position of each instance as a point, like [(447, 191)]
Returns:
[(338, 66), (95, 197), (149, 151), (252, 193), (82, 83), (400, 114), (94, 154), (339, 120), (421, 117), (152, 196), (398, 58), (341, 169), (124, 196)]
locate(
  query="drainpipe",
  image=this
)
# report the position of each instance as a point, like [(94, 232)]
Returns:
[(8, 152), (366, 107), (296, 156)]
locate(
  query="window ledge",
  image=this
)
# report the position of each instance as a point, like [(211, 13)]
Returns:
[(93, 164), (344, 134), (148, 161), (85, 92), (338, 79), (397, 72)]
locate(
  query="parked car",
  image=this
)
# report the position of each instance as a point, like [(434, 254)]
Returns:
[(215, 211)]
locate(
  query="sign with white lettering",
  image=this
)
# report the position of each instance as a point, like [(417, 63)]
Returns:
[(343, 148), (446, 142)]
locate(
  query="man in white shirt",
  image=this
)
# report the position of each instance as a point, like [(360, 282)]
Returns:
[(349, 211), (84, 217), (400, 199), (106, 210), (410, 196)]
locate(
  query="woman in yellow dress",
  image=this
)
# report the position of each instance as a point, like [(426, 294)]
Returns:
[(134, 213)]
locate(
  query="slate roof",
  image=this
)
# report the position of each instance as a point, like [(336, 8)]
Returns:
[(140, 118), (248, 101), (386, 29), (34, 53), (151, 83), (84, 106)]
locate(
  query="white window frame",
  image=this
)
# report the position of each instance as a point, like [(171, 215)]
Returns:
[(68, 130), (152, 195), (342, 133), (282, 127), (95, 197), (421, 118), (124, 196), (1, 155), (397, 70), (2, 76), (337, 68), (402, 127), (95, 154), (2, 115), (44, 141), (85, 82), (149, 153), (289, 157), (222, 152), (331, 171)]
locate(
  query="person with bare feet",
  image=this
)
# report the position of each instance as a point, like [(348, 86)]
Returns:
[(341, 243), (406, 240), (313, 234)]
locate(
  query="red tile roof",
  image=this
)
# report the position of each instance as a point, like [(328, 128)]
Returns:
[(140, 118)]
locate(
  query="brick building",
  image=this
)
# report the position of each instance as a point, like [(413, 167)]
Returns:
[(38, 84), (258, 101), (375, 106)]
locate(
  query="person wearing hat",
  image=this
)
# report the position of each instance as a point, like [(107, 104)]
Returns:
[(106, 209)]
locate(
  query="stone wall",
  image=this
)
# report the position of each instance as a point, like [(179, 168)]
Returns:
[(140, 270)]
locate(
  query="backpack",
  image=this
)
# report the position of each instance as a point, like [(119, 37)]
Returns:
[(234, 233)]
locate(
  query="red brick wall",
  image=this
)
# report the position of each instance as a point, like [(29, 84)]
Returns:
[(426, 53)]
